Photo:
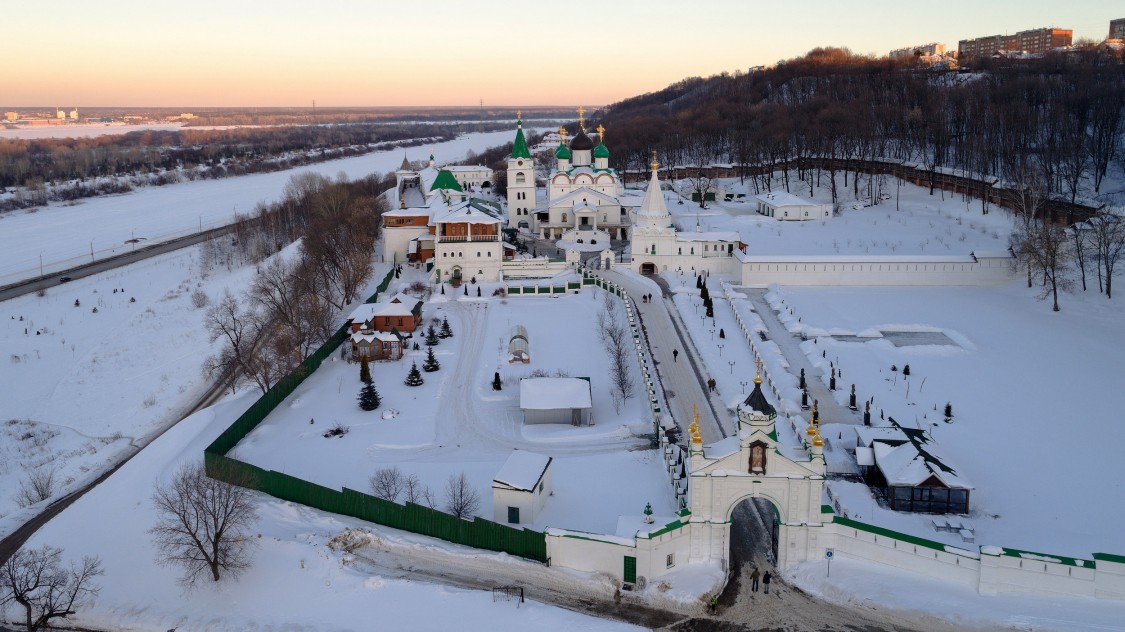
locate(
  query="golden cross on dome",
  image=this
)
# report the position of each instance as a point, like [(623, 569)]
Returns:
[(655, 165), (693, 429), (758, 364), (601, 133), (518, 115), (581, 121)]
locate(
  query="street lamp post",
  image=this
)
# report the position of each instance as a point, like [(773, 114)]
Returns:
[(731, 363), (712, 330), (40, 263), (720, 350), (744, 387)]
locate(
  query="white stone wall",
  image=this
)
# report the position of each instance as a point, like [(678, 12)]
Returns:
[(480, 259), (396, 240), (529, 503), (983, 271), (988, 571)]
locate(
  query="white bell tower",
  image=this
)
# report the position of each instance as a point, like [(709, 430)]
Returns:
[(521, 182)]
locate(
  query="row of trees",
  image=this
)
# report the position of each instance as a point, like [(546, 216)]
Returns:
[(291, 306), (60, 159), (615, 339), (460, 498), (1063, 113)]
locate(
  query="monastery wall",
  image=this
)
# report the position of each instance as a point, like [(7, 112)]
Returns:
[(861, 271)]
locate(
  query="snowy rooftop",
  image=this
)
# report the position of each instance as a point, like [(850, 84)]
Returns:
[(523, 470), (783, 198), (730, 236), (552, 393)]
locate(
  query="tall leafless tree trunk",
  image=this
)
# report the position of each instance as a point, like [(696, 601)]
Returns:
[(203, 524)]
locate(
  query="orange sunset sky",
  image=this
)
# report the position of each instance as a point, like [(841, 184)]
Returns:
[(442, 52)]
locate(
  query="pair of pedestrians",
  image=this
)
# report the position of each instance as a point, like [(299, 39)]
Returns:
[(765, 581)]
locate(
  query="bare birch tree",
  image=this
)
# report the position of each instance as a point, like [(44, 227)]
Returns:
[(616, 341), (387, 483)]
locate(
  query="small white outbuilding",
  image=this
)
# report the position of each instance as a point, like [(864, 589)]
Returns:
[(788, 207), (521, 487), (556, 400)]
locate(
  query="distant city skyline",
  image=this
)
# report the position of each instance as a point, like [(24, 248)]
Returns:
[(504, 52)]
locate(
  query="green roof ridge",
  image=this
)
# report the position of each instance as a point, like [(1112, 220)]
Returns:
[(445, 180), (519, 148)]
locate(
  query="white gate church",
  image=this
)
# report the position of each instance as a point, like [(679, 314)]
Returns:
[(754, 467)]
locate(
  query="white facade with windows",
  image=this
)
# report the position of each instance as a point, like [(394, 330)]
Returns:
[(521, 488)]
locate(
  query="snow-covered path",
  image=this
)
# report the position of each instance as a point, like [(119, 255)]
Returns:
[(680, 376), (830, 411)]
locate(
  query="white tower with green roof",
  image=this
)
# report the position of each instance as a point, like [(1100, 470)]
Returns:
[(521, 181)]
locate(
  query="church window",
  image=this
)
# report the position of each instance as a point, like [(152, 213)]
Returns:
[(488, 253), (693, 250), (679, 251), (758, 458), (478, 253), (564, 217), (520, 178), (670, 561)]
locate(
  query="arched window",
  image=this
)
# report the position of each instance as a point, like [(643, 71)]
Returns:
[(520, 178)]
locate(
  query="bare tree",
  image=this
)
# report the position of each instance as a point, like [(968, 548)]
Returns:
[(243, 354), (615, 339), (387, 483), (1108, 237), (414, 491), (461, 499), (203, 525), (1046, 249), (37, 487), (36, 581)]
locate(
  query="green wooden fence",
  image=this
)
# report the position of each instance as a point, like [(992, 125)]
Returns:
[(478, 533)]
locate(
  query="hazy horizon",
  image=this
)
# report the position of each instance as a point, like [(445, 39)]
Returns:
[(352, 54)]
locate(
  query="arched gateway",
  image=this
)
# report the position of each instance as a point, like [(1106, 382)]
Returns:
[(720, 476), (755, 467)]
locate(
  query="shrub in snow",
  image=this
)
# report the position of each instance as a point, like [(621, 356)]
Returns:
[(369, 397), (414, 377), (894, 369), (906, 369), (431, 364), (338, 430), (199, 299)]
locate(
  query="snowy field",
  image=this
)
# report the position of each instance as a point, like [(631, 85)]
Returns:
[(62, 235), (456, 423), (1034, 395), (925, 225), (80, 386), (297, 581), (81, 130)]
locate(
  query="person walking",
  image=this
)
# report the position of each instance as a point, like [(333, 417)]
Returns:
[(766, 583), (754, 580), (675, 354)]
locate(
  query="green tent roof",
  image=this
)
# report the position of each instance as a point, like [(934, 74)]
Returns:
[(601, 151), (519, 148), (562, 152), (445, 180)]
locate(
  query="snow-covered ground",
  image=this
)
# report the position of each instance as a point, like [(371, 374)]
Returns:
[(1034, 395), (925, 225), (456, 423), (62, 235), (82, 130), (296, 582), (80, 386)]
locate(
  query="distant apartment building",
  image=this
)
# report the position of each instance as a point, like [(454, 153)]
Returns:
[(933, 48), (74, 114), (1035, 41), (12, 116), (1117, 29)]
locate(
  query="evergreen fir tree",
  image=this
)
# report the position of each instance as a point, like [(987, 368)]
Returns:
[(466, 290), (431, 364), (445, 332), (496, 381), (369, 397), (722, 334), (364, 370), (710, 311), (414, 378), (431, 336), (478, 290), (704, 293), (948, 411), (698, 282), (906, 369)]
